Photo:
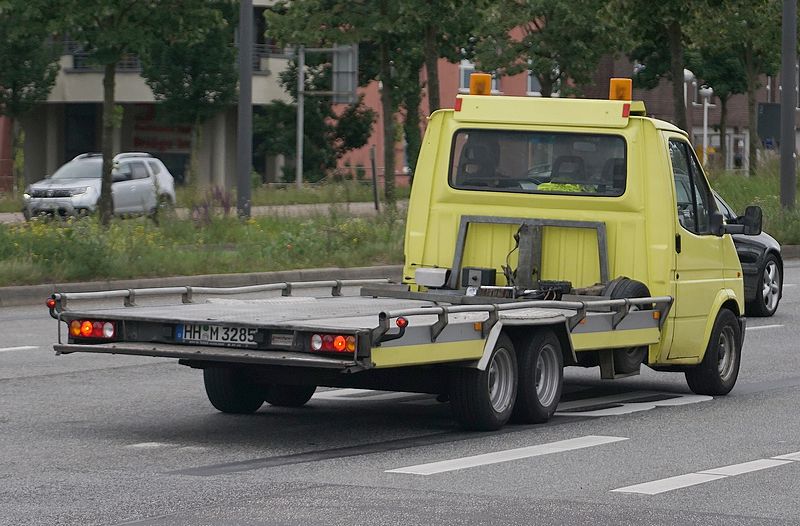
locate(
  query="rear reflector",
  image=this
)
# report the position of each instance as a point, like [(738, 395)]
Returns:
[(459, 100)]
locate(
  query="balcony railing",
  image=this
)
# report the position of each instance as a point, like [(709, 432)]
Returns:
[(82, 60)]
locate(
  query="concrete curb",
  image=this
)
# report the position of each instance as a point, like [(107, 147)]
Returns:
[(790, 251), (34, 294)]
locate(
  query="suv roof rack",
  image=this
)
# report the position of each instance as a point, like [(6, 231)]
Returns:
[(87, 155), (126, 155)]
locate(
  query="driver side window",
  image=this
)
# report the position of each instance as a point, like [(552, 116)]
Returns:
[(692, 193)]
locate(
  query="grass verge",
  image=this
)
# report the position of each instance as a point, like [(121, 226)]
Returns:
[(78, 250), (762, 189)]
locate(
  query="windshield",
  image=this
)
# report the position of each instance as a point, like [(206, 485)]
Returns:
[(80, 170), (538, 162)]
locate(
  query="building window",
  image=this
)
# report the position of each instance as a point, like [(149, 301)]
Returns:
[(534, 86), (467, 68)]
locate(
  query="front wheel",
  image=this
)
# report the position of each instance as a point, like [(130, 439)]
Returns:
[(541, 375), (230, 391), (717, 373), (484, 400), (769, 294)]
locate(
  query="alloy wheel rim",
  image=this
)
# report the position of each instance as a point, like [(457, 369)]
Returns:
[(546, 375), (501, 380), (771, 285), (726, 356)]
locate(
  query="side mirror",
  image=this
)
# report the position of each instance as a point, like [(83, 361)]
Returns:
[(752, 220), (717, 223)]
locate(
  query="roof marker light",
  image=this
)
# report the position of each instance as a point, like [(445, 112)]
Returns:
[(620, 89)]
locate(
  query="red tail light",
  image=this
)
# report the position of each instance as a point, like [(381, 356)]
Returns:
[(94, 329), (335, 343)]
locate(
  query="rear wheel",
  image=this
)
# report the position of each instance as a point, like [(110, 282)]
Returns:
[(229, 390), (717, 373), (289, 395), (541, 374), (484, 400)]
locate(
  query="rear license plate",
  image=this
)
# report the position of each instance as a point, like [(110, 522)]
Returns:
[(217, 335)]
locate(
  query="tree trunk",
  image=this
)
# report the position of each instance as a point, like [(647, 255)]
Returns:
[(752, 117), (197, 141), (723, 130), (546, 86), (411, 130), (387, 107), (106, 204), (676, 70), (432, 68), (17, 172)]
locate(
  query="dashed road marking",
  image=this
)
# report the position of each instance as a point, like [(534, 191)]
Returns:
[(148, 445), (21, 348), (692, 479), (756, 327), (507, 455)]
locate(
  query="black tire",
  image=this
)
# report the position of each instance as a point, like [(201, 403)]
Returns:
[(627, 360), (289, 395), (768, 295), (484, 400), (541, 378), (230, 391), (717, 373)]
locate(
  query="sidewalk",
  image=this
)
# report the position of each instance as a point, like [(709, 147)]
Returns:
[(356, 209)]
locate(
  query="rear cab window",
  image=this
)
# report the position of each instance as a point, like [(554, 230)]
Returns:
[(539, 162)]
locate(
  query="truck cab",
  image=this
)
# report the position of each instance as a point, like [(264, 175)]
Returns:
[(615, 193)]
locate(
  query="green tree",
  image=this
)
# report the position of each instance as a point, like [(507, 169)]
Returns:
[(555, 40), (724, 72), (28, 66), (328, 22), (194, 80), (659, 32), (112, 31), (750, 32), (327, 135)]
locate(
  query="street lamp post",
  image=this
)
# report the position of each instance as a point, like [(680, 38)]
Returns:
[(706, 93)]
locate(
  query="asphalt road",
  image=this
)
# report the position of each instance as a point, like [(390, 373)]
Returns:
[(124, 440)]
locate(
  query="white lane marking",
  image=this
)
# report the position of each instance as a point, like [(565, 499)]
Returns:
[(690, 479), (746, 467), (669, 484), (507, 455), (790, 284), (790, 456), (22, 348), (756, 327), (148, 445), (628, 407)]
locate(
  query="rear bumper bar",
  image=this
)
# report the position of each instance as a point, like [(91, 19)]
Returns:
[(214, 354)]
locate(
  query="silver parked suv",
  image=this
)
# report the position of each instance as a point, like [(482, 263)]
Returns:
[(140, 183)]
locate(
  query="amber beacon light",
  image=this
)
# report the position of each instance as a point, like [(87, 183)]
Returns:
[(480, 84), (620, 89)]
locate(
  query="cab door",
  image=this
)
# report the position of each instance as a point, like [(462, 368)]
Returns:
[(699, 273)]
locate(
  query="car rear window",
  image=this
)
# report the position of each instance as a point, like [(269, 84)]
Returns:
[(538, 162)]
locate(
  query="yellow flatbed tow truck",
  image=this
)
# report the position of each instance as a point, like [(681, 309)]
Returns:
[(541, 233)]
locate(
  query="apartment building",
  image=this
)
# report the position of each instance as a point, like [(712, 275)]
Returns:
[(70, 121)]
